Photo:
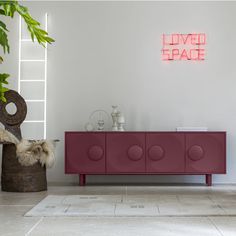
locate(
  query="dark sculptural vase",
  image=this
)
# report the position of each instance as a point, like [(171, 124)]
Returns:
[(15, 177)]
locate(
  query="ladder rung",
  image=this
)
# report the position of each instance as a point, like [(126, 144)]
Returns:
[(32, 80), (34, 121), (26, 40), (26, 60), (35, 100)]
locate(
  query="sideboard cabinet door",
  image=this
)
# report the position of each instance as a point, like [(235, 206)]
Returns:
[(165, 152), (85, 152), (205, 152), (125, 152)]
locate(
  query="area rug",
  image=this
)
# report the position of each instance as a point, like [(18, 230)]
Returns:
[(128, 205)]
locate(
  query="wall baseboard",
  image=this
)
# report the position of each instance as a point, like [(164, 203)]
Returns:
[(52, 184)]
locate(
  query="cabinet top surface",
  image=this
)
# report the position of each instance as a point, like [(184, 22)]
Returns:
[(123, 132)]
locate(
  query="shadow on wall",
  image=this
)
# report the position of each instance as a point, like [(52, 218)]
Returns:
[(136, 120)]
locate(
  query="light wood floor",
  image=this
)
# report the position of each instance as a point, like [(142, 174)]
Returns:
[(14, 205)]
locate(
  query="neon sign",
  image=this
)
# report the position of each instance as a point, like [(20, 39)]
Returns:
[(183, 47)]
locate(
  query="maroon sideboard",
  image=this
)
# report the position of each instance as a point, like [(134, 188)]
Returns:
[(145, 153)]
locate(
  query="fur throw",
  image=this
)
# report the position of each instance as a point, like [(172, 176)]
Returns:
[(6, 136), (31, 152)]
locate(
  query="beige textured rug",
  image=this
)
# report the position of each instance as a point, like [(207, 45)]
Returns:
[(131, 205)]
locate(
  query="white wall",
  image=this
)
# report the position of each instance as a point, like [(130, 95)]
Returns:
[(109, 53)]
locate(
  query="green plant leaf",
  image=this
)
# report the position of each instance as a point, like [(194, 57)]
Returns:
[(34, 26), (4, 90), (2, 97), (3, 26), (4, 77), (4, 41), (3, 80), (2, 12)]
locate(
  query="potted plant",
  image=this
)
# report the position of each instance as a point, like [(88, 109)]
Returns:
[(9, 9)]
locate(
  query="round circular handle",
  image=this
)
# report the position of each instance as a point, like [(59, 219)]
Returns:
[(135, 153), (95, 153), (196, 153), (156, 153)]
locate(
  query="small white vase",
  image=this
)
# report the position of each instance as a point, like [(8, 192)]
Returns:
[(120, 121), (114, 118)]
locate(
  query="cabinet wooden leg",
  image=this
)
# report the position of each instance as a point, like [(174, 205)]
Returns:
[(208, 179), (82, 180)]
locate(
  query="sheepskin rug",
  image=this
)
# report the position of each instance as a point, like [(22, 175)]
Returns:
[(29, 152), (6, 136)]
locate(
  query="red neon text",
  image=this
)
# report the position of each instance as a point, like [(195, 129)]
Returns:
[(183, 47)]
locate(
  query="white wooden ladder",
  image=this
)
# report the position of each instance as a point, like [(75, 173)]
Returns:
[(22, 80)]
